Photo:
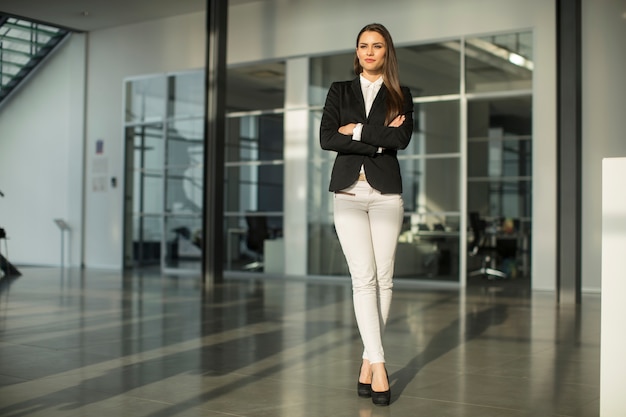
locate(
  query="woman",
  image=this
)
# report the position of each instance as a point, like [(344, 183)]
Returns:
[(366, 120)]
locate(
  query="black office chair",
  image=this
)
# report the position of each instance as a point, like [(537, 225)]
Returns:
[(480, 247), (258, 232), (5, 266), (3, 260)]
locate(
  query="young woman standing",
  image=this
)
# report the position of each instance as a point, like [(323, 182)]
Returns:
[(366, 121)]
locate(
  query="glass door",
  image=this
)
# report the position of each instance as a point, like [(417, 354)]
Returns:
[(164, 176), (499, 73)]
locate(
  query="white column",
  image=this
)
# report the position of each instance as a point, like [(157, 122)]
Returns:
[(296, 166), (612, 364)]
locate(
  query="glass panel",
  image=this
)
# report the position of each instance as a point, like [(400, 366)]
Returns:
[(324, 71), (255, 138), (500, 141), (499, 63), (436, 128), (146, 239), (428, 247), (145, 100), (431, 185), (186, 97), (254, 168), (500, 199), (184, 170), (432, 69), (325, 254), (183, 241), (254, 243), (254, 188), (320, 166), (147, 169), (256, 87), (499, 191), (502, 156)]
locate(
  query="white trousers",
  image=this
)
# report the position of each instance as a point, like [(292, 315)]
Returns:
[(368, 224)]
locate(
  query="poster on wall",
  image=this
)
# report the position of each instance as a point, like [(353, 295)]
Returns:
[(100, 168)]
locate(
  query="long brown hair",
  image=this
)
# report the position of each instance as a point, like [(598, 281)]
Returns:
[(391, 78)]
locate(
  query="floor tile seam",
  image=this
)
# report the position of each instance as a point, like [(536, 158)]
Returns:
[(94, 328), (20, 378), (282, 379), (590, 401), (206, 408), (315, 346), (524, 378), (462, 403)]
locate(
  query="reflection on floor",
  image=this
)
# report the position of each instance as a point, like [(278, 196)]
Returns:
[(97, 343)]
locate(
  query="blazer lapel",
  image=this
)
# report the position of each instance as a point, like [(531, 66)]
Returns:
[(379, 100), (358, 94)]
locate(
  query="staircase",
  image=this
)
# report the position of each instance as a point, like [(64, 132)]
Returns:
[(24, 46)]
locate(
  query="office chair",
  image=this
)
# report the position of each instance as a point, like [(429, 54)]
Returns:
[(478, 247), (256, 235), (6, 267), (3, 260)]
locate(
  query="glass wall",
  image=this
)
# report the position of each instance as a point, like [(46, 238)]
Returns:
[(164, 168), (254, 162), (469, 95), (470, 152)]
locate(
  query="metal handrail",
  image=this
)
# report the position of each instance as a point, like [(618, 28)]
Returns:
[(21, 41), (29, 26)]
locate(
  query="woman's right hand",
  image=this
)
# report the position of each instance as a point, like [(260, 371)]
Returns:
[(347, 129)]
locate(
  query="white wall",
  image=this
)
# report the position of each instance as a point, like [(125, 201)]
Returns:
[(612, 369), (603, 107), (41, 162), (269, 30)]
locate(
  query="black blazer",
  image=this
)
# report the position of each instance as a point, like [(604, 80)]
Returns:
[(344, 105)]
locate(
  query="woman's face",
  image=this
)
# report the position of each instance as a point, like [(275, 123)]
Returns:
[(371, 51)]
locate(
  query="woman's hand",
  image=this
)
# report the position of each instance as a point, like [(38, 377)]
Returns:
[(347, 129), (397, 122)]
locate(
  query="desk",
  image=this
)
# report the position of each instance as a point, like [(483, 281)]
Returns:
[(430, 254), (274, 256), (436, 233)]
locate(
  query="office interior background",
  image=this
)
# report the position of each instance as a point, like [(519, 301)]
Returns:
[(107, 135)]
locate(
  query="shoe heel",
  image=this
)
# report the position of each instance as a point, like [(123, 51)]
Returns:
[(382, 398), (363, 390)]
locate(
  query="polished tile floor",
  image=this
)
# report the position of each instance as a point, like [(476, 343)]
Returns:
[(96, 343)]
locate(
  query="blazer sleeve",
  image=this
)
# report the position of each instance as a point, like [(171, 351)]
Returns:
[(392, 137), (330, 138)]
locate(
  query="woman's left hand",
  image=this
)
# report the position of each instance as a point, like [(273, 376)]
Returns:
[(397, 122)]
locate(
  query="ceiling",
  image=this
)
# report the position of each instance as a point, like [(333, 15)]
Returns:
[(88, 15)]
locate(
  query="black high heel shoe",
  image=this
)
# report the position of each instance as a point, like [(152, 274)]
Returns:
[(363, 390), (382, 397)]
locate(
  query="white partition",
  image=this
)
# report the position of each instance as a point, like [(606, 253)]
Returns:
[(612, 364)]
